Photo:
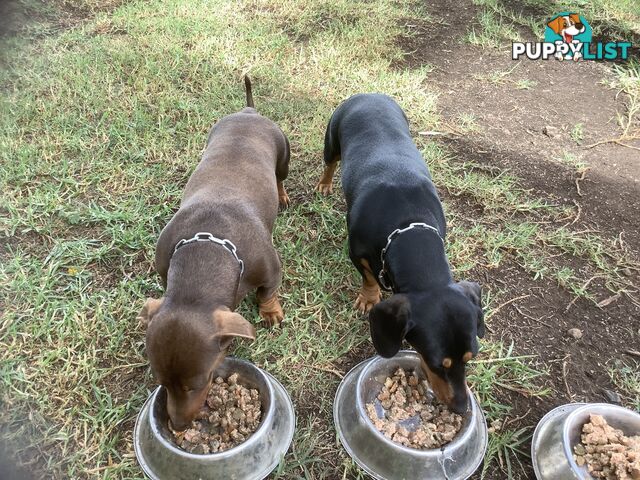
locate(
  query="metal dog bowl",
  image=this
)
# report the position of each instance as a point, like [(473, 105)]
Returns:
[(384, 459), (559, 431), (253, 459)]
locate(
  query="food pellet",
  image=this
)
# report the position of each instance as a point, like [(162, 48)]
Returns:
[(607, 452), (231, 413), (410, 417)]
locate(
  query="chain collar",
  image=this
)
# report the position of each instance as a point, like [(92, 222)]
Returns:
[(383, 275), (208, 237)]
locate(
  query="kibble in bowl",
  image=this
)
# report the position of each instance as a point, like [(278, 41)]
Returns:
[(601, 440), (381, 456), (231, 413), (607, 452), (406, 412), (252, 459)]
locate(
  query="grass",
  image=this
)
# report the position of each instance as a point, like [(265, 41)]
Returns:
[(572, 161), (626, 376), (577, 133), (615, 20), (493, 30), (102, 124), (525, 84)]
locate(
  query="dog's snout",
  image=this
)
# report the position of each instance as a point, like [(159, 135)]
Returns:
[(580, 26), (460, 405), (460, 402), (178, 420), (178, 425), (459, 408)]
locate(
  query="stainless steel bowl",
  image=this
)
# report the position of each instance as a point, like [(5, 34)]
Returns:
[(253, 459), (559, 432), (384, 459)]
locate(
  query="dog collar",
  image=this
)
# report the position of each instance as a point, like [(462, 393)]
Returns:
[(209, 237), (383, 276)]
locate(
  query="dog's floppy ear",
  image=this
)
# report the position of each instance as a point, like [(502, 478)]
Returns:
[(557, 24), (474, 292), (389, 322), (150, 308), (229, 324)]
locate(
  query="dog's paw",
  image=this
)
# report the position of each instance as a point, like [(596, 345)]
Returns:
[(366, 301), (284, 200), (271, 312), (271, 319), (324, 188)]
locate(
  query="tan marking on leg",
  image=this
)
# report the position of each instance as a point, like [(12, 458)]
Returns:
[(442, 388), (270, 310), (325, 185), (283, 197), (370, 293)]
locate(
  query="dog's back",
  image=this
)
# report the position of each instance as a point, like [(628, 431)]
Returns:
[(233, 190), (383, 173)]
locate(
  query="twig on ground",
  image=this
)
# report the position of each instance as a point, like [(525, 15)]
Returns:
[(625, 137), (513, 420), (328, 370), (575, 219), (633, 353), (580, 179), (608, 300), (537, 320), (579, 212), (515, 389), (564, 376), (431, 133), (497, 309), (584, 286)]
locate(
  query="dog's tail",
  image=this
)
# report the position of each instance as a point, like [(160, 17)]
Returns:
[(247, 88)]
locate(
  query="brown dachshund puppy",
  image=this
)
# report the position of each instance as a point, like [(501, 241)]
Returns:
[(216, 248)]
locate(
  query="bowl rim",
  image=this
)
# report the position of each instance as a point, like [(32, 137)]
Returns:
[(552, 415), (253, 438), (568, 452), (461, 437)]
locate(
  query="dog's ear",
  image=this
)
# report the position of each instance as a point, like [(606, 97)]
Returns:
[(474, 292), (389, 322), (229, 324), (557, 24), (150, 308), (480, 325)]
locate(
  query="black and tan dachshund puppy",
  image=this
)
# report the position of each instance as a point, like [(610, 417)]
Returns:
[(396, 241)]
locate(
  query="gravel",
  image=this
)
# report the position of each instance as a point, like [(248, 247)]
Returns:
[(407, 414), (230, 415)]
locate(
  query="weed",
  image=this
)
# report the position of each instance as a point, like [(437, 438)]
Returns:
[(577, 133)]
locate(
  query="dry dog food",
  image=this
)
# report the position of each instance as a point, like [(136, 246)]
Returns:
[(607, 452), (230, 415), (405, 413)]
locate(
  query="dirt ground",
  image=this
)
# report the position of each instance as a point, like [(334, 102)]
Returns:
[(510, 135)]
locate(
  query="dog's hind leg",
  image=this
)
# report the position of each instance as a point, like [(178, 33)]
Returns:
[(331, 159), (282, 170), (268, 304)]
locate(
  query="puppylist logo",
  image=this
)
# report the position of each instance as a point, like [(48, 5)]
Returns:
[(569, 36)]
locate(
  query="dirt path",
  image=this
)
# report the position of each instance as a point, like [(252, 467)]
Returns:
[(510, 135), (513, 121)]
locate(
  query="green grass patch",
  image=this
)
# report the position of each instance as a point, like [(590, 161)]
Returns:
[(626, 376)]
